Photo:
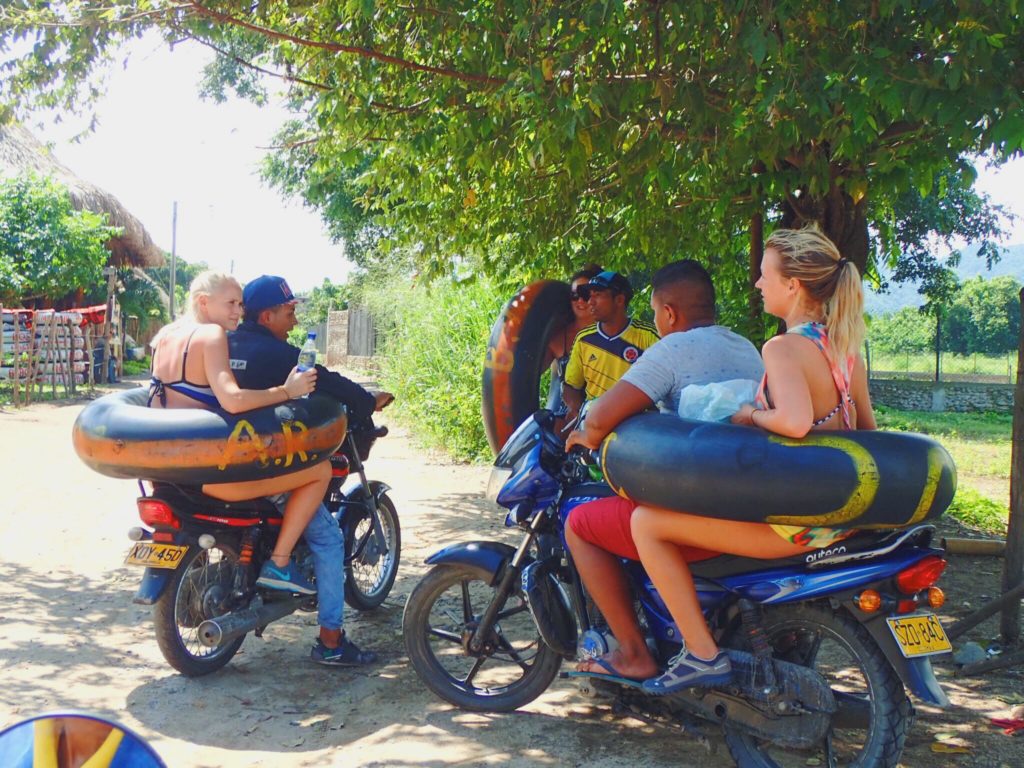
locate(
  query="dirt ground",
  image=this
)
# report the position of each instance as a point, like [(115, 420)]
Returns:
[(70, 637)]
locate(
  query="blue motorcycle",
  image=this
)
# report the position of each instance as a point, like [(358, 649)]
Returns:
[(824, 646)]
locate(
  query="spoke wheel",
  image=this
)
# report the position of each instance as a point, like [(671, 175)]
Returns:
[(874, 715), (199, 590), (373, 563), (512, 669)]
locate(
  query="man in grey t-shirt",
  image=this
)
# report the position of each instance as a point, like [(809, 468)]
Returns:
[(692, 350), (701, 355)]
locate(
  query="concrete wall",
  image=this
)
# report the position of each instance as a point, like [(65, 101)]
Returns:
[(958, 397), (337, 339), (350, 340)]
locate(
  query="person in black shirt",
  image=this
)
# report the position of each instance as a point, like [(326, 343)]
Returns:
[(261, 357)]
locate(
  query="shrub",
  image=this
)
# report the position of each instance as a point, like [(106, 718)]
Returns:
[(433, 342)]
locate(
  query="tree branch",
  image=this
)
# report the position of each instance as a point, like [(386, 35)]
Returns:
[(256, 67), (368, 53)]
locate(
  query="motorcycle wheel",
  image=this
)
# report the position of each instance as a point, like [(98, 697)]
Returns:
[(440, 616), (370, 572), (870, 728), (197, 591)]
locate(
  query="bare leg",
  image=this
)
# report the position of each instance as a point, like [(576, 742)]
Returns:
[(656, 533), (307, 489), (605, 579)]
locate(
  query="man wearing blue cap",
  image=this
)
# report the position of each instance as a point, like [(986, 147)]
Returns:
[(261, 357), (603, 352)]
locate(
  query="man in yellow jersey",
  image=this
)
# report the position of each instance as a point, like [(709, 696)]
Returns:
[(604, 351)]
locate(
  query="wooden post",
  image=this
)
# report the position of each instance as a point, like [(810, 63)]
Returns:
[(111, 274), (1013, 565)]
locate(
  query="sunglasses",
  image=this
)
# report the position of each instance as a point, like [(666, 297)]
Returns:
[(584, 292)]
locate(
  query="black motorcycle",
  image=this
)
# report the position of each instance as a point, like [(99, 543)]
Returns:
[(203, 556)]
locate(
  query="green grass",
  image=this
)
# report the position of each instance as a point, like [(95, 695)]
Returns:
[(980, 445)]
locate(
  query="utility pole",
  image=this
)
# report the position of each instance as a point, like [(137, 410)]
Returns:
[(174, 255)]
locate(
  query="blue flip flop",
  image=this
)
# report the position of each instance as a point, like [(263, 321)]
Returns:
[(612, 675)]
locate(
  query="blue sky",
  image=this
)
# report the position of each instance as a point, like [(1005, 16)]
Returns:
[(157, 142)]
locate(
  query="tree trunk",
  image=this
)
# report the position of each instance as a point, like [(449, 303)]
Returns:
[(756, 253), (1013, 566), (844, 221)]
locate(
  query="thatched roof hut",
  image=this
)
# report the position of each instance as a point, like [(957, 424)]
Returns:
[(21, 152)]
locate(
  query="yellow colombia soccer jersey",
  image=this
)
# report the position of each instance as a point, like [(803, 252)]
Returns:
[(598, 361)]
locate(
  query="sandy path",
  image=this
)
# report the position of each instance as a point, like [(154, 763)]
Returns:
[(70, 637)]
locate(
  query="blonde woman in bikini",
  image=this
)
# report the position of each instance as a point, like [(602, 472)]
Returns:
[(191, 370), (814, 380)]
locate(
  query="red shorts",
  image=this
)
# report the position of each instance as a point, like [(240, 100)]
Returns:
[(605, 524)]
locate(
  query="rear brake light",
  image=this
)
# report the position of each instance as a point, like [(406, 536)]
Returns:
[(156, 514), (921, 575), (906, 606)]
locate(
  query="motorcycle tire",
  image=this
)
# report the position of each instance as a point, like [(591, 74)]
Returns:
[(370, 573), (195, 593), (875, 715), (514, 669)]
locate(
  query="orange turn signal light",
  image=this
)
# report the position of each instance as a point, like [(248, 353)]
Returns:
[(936, 597), (868, 601)]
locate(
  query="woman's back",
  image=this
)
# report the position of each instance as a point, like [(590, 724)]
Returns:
[(179, 378)]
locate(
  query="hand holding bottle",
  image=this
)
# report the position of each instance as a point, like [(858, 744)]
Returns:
[(300, 383)]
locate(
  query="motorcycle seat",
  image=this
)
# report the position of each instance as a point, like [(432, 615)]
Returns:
[(863, 545), (188, 499)]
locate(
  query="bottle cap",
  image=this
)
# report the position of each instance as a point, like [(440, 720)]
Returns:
[(311, 335)]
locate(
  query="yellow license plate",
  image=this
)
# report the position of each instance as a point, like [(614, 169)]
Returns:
[(919, 635), (155, 555)]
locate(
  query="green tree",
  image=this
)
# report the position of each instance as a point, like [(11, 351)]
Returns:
[(523, 137), (47, 248), (324, 298), (906, 330), (984, 317)]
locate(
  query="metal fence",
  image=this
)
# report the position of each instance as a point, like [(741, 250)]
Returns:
[(362, 334), (884, 362)]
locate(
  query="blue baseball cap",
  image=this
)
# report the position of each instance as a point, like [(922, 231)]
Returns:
[(265, 292), (612, 281)]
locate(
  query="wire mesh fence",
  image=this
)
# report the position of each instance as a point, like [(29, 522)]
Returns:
[(920, 365)]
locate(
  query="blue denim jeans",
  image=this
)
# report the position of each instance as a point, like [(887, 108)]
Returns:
[(327, 543)]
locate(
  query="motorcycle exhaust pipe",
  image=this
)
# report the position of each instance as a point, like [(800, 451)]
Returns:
[(223, 629)]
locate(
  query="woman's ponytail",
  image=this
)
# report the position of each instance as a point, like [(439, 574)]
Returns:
[(830, 279)]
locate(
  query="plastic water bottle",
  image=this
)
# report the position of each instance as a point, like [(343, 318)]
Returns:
[(307, 355)]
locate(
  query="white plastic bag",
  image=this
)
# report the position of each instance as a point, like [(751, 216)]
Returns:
[(717, 401)]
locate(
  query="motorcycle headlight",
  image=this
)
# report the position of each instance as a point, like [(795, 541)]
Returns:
[(499, 476)]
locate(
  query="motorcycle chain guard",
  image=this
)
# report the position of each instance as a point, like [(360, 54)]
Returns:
[(549, 607), (799, 717)]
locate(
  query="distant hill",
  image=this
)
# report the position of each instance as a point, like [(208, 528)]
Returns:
[(906, 295)]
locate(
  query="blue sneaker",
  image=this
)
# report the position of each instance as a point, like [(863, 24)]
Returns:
[(347, 654), (687, 671), (286, 579)]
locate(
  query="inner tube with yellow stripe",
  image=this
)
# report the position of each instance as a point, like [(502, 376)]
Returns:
[(118, 436), (854, 479), (515, 356)]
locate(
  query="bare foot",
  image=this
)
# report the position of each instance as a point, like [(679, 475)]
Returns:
[(640, 667)]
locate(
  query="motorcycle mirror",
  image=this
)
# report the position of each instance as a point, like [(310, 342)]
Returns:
[(72, 740)]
